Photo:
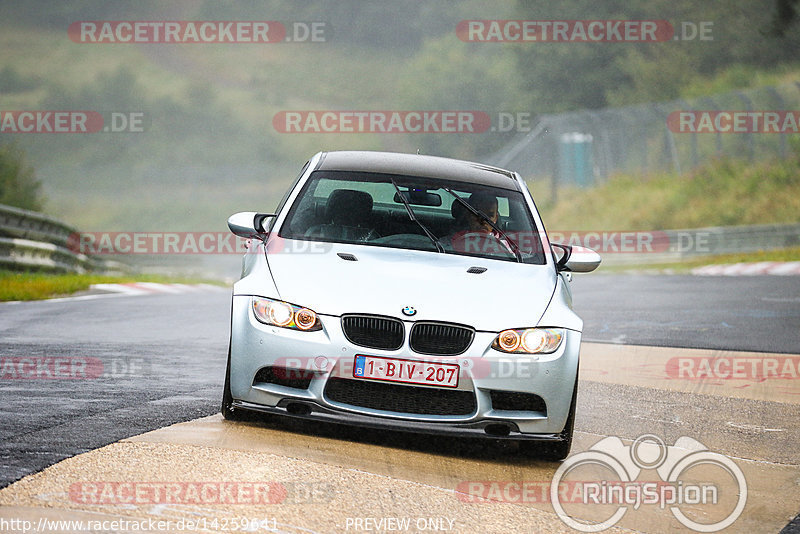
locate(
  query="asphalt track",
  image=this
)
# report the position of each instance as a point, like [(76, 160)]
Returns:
[(163, 361), (750, 313), (162, 355)]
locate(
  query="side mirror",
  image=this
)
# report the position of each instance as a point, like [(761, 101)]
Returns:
[(576, 259), (249, 224)]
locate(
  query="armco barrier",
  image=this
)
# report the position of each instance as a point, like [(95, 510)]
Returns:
[(33, 240), (29, 239), (697, 242), (24, 224)]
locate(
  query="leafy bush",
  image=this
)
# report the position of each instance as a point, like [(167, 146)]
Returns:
[(18, 184)]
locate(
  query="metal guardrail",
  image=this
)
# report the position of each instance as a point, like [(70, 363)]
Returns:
[(24, 224), (33, 240), (692, 243)]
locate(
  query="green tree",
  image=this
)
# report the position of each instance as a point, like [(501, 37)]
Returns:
[(568, 76), (18, 184), (448, 75), (659, 75), (786, 15)]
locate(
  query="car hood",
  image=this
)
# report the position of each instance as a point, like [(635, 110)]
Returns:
[(383, 281)]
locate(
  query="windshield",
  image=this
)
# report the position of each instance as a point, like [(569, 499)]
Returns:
[(417, 213)]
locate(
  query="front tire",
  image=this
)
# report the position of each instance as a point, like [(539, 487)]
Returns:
[(228, 411)]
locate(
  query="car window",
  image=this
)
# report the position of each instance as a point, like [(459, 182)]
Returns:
[(271, 220), (502, 206), (380, 192), (367, 209)]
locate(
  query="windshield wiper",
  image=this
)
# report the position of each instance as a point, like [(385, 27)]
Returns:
[(428, 233), (511, 242)]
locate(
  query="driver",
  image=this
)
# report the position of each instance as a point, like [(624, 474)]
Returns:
[(472, 224), (486, 203)]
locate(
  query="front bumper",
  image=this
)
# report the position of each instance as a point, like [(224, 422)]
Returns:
[(327, 354)]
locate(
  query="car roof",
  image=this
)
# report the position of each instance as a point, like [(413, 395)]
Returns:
[(417, 165)]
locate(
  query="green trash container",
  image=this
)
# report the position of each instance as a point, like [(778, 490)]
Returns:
[(575, 159)]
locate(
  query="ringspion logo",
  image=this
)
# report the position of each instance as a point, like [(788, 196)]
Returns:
[(693, 479)]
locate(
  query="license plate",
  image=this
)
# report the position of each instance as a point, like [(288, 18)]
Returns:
[(406, 371)]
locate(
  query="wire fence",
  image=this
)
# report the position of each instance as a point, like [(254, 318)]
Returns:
[(584, 148)]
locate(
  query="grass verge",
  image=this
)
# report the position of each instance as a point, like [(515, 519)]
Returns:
[(16, 285), (722, 193)]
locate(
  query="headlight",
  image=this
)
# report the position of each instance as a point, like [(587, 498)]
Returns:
[(529, 340), (285, 315)]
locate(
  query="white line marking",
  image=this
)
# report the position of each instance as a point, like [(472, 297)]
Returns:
[(755, 427)]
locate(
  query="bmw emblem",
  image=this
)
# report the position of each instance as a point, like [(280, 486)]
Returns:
[(409, 310)]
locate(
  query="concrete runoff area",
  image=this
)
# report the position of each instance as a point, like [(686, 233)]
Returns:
[(285, 475)]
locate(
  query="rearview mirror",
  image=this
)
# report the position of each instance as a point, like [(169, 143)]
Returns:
[(417, 197), (249, 224), (576, 259)]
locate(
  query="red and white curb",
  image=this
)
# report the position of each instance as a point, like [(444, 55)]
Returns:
[(781, 268), (131, 290), (149, 288)]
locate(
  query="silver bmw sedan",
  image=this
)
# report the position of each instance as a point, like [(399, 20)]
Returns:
[(408, 292)]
